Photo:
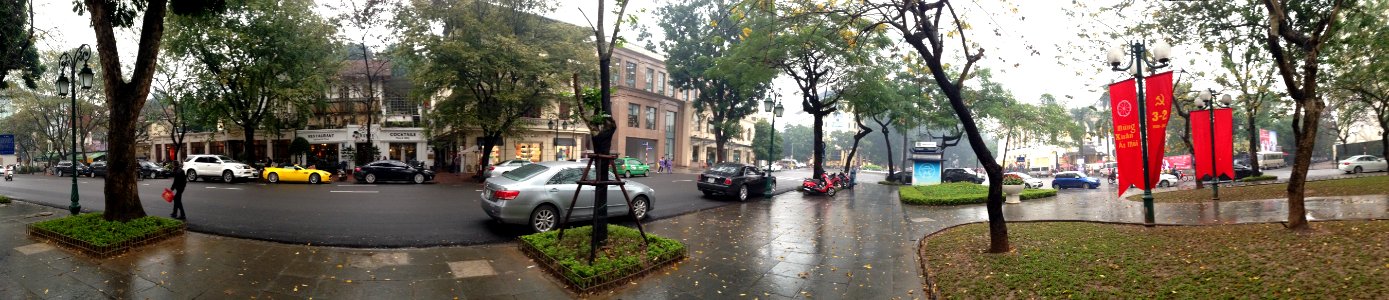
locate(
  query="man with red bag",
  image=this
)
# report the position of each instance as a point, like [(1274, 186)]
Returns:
[(180, 182)]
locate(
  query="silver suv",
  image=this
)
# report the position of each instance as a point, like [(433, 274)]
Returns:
[(217, 166)]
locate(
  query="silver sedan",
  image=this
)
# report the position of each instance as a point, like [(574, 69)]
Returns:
[(538, 194)]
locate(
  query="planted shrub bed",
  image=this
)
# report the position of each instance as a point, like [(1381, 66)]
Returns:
[(623, 256), (1258, 178), (92, 235), (958, 193)]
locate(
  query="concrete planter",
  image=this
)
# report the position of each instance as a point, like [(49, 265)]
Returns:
[(1013, 191)]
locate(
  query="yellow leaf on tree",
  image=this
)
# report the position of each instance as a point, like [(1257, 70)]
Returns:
[(747, 31)]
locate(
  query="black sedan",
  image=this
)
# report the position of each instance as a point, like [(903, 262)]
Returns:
[(147, 170), (391, 170), (734, 179)]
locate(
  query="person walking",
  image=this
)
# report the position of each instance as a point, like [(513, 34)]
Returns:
[(180, 182)]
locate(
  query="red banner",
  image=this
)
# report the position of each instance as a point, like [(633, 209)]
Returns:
[(1179, 162), (1123, 107), (1224, 143), (1158, 89)]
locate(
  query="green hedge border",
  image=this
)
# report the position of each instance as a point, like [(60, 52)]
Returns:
[(605, 271), (1258, 178), (916, 195), (4, 199), (93, 235)]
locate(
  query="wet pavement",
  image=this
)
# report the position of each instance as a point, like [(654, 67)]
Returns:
[(856, 245)]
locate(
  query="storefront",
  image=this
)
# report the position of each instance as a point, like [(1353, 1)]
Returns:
[(532, 151), (565, 149), (405, 144)]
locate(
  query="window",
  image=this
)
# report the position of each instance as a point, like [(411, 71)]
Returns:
[(633, 111), (632, 74), (670, 134), (662, 86), (616, 74), (525, 172), (650, 117), (566, 176), (650, 79)]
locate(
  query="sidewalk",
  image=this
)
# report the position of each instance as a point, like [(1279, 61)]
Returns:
[(861, 244)]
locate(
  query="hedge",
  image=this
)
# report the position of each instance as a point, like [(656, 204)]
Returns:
[(959, 193)]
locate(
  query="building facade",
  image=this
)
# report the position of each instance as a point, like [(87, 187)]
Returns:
[(651, 114)]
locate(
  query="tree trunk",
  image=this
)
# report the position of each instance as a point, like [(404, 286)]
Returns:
[(863, 131), (1297, 210), (1253, 133), (719, 143), (488, 143), (1384, 138), (819, 147), (891, 161), (248, 146)]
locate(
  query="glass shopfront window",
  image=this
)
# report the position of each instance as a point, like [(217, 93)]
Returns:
[(529, 151), (322, 155), (402, 151)]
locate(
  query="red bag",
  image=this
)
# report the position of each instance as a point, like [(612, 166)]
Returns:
[(168, 195)]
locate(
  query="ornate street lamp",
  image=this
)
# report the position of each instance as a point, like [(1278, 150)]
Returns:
[(67, 64), (554, 127), (775, 108), (1203, 101), (1136, 62)]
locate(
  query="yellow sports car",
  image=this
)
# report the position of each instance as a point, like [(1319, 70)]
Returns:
[(296, 174)]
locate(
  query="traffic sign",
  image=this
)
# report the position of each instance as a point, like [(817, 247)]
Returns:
[(6, 144)]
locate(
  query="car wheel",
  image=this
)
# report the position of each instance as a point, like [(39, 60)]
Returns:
[(768, 191), (743, 192), (273, 178), (419, 178), (544, 218), (315, 179), (228, 177), (60, 173), (1162, 184), (628, 175), (192, 175), (1358, 170), (639, 207), (371, 178)]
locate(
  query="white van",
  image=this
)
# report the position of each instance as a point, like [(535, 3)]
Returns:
[(1271, 160)]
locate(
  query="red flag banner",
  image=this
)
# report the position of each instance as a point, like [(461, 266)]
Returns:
[(1224, 143), (1158, 89), (1123, 107)]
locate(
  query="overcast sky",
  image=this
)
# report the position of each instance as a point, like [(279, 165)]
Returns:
[(1076, 76)]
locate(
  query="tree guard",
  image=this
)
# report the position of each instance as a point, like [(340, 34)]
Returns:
[(600, 184)]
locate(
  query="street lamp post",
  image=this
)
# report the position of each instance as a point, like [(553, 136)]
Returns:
[(775, 108), (1137, 60), (1204, 101), (67, 64), (554, 127)]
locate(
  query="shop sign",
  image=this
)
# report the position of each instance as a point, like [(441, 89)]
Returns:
[(323, 137)]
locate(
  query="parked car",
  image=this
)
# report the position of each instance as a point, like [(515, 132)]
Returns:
[(734, 179), (1167, 180), (151, 170), (217, 166), (960, 175), (98, 168), (295, 173), (1028, 181), (66, 167), (504, 166), (392, 170), (539, 194), (1242, 171), (1362, 163), (1073, 179), (1040, 172)]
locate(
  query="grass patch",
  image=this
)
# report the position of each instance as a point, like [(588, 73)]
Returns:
[(622, 256), (1370, 185), (958, 193), (92, 229), (1340, 260), (4, 199), (1258, 178)]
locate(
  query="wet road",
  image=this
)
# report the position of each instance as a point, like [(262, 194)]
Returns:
[(347, 214)]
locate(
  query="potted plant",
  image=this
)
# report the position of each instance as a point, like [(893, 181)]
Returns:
[(1012, 186)]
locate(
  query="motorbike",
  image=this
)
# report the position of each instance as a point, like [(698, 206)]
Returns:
[(9, 175), (827, 185)]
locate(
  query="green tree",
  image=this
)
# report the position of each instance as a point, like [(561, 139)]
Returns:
[(247, 56), (18, 52), (763, 136), (920, 25), (818, 50), (1362, 76), (797, 140), (702, 37), (495, 63), (126, 98)]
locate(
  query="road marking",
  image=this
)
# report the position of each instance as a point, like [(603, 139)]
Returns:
[(922, 219), (684, 180), (372, 192), (353, 185)]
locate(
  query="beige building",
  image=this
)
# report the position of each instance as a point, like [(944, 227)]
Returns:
[(651, 114)]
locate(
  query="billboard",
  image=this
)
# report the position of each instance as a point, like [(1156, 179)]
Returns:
[(1268, 140), (6, 144)]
